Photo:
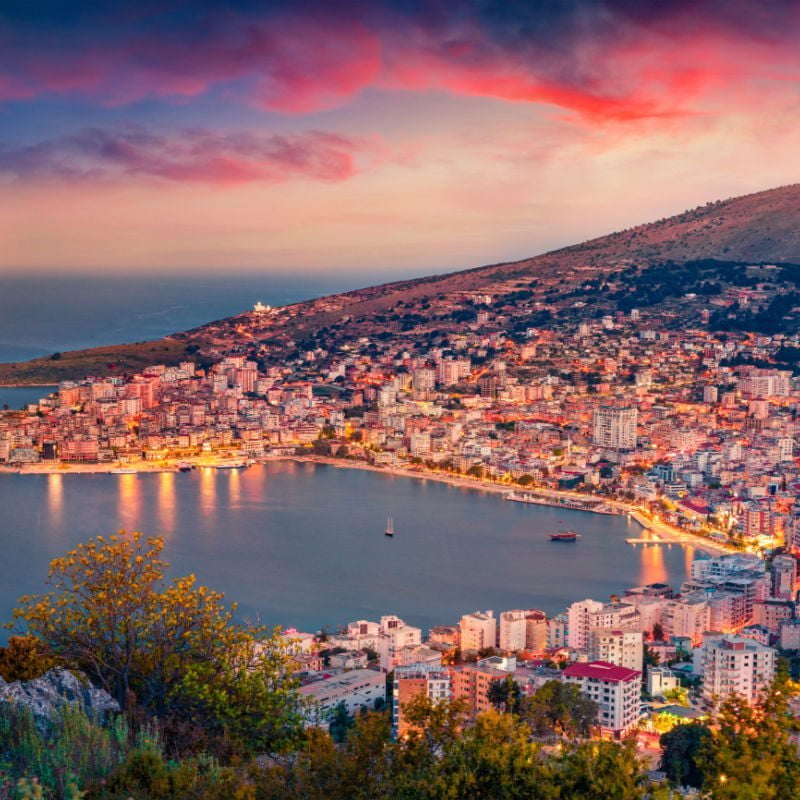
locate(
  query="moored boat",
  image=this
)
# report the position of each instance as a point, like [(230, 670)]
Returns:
[(564, 536)]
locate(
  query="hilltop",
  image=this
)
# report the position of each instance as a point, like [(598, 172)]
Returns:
[(680, 264)]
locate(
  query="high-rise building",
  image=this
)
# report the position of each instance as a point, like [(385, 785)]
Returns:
[(784, 577), (512, 630), (616, 690), (623, 648), (734, 665), (478, 630), (615, 427)]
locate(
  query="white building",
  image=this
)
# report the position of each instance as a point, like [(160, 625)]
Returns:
[(623, 648), (733, 665), (615, 689), (395, 640), (686, 617), (615, 427), (357, 689), (513, 630), (661, 680), (478, 630), (579, 623), (587, 614)]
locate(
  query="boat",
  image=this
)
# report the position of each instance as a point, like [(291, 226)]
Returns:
[(232, 465), (184, 467), (564, 536), (389, 527), (123, 471)]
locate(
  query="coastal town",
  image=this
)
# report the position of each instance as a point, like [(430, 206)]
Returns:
[(690, 430)]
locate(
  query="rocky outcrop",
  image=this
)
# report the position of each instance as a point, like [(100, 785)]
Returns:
[(59, 687)]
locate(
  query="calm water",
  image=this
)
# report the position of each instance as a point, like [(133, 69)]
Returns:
[(16, 397), (302, 545), (43, 314)]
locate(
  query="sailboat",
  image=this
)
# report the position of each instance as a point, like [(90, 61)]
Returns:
[(389, 527)]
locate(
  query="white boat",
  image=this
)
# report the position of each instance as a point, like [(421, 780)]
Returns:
[(389, 527), (123, 471)]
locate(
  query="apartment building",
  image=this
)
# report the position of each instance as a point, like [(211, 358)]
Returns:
[(731, 664), (428, 680), (615, 689)]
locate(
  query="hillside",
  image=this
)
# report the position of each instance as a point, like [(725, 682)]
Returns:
[(705, 252)]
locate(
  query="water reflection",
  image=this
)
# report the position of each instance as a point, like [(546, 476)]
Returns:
[(653, 567), (55, 496), (234, 487), (166, 502), (691, 555), (208, 491), (130, 501)]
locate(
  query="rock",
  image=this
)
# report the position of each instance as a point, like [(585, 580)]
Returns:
[(58, 687)]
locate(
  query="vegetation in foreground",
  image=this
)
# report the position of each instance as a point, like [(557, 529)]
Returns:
[(208, 714)]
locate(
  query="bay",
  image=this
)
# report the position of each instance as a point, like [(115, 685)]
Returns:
[(303, 545), (17, 397)]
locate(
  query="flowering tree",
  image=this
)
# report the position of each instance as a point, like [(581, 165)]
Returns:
[(172, 650)]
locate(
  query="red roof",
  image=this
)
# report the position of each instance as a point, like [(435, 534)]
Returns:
[(602, 670)]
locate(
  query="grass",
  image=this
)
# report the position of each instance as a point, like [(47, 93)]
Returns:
[(97, 361)]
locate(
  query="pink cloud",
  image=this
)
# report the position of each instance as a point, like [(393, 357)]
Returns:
[(195, 155), (625, 66)]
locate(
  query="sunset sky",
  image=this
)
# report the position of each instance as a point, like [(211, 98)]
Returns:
[(381, 136)]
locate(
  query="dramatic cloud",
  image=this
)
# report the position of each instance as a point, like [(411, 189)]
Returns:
[(620, 59), (194, 155)]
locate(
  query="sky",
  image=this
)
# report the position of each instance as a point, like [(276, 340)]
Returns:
[(381, 136)]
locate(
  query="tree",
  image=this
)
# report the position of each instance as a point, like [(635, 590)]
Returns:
[(681, 747), (504, 694), (171, 650), (751, 754), (658, 632), (560, 708)]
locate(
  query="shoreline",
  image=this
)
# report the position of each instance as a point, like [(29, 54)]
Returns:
[(666, 533)]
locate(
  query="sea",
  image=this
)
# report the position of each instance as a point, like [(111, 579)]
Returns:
[(302, 545), (293, 544), (41, 314)]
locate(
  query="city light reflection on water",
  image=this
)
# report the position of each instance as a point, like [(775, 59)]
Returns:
[(55, 496), (130, 501), (208, 492), (653, 568), (166, 502), (303, 545)]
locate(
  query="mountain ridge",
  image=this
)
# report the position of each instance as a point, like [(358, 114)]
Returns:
[(758, 228)]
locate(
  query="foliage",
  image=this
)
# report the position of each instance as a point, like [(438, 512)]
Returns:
[(678, 695), (70, 748), (751, 755), (170, 650), (681, 749), (23, 659), (504, 695), (600, 770), (560, 708)]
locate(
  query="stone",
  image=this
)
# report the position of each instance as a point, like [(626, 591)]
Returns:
[(56, 688)]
